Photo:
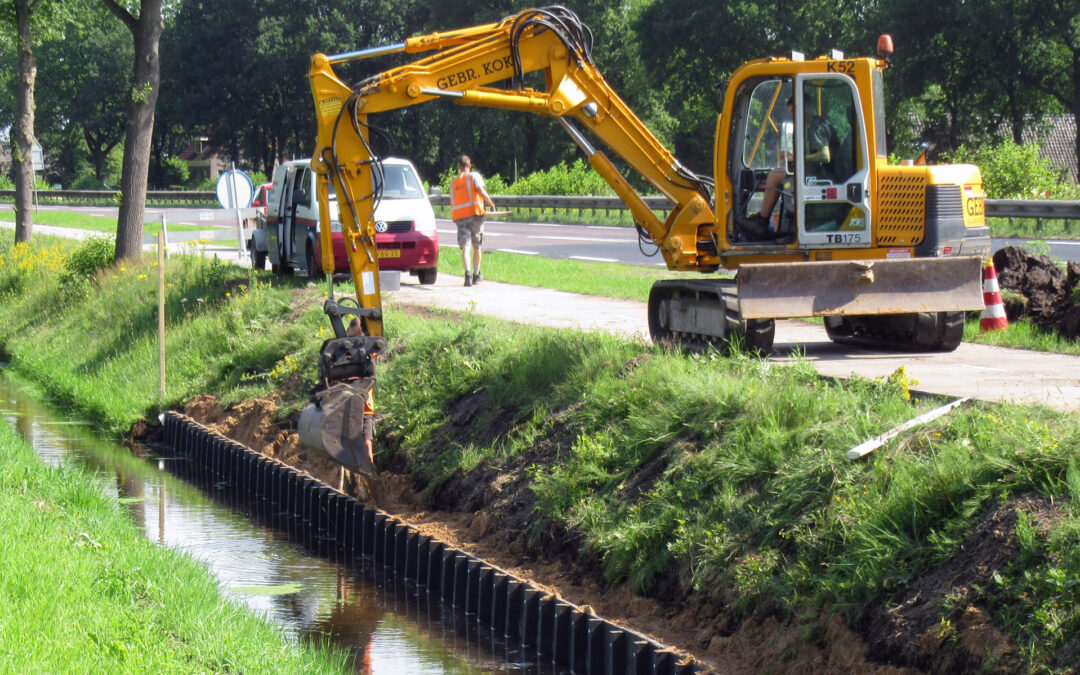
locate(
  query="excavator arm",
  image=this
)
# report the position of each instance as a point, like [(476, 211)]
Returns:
[(464, 66)]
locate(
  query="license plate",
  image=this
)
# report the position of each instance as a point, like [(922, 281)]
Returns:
[(390, 253)]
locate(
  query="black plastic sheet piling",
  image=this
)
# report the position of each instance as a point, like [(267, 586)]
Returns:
[(339, 527)]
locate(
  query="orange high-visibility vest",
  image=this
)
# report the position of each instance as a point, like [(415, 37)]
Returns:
[(465, 200)]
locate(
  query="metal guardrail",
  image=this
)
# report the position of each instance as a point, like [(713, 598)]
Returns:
[(995, 208), (1040, 209), (180, 197)]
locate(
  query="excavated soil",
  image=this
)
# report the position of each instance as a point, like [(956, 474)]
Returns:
[(1048, 293), (489, 513)]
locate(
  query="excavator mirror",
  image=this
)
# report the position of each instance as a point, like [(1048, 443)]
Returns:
[(885, 46)]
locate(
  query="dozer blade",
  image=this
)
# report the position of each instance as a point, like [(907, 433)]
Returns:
[(860, 287), (334, 424)]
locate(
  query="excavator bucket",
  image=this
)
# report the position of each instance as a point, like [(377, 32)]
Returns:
[(860, 287), (333, 424)]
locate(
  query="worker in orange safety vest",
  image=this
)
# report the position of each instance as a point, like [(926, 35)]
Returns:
[(467, 198)]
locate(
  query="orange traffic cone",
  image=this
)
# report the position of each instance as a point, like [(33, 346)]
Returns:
[(993, 314)]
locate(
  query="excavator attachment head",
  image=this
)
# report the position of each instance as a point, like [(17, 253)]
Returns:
[(333, 424)]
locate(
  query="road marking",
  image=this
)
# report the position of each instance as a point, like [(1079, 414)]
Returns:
[(514, 250), (587, 259), (597, 239), (486, 233), (206, 216)]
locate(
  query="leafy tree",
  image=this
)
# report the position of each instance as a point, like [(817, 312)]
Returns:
[(139, 102), (84, 68), (1056, 60)]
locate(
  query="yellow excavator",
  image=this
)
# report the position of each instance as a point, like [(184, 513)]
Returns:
[(803, 205)]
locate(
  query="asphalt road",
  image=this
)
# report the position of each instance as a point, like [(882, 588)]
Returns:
[(605, 243), (602, 243)]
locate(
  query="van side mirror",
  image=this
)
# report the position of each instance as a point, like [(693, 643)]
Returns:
[(299, 196)]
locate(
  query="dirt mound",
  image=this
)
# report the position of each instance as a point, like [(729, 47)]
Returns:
[(1049, 291), (941, 622)]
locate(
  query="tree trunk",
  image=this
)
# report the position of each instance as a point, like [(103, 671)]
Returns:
[(140, 101), (22, 148)]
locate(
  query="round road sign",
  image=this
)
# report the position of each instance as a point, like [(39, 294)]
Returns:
[(234, 189)]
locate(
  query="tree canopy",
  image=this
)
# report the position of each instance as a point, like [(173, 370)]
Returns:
[(235, 71)]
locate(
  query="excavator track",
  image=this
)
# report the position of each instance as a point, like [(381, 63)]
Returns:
[(916, 332), (700, 314)]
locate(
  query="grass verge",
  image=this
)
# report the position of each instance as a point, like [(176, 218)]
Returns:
[(83, 590), (82, 221), (720, 478)]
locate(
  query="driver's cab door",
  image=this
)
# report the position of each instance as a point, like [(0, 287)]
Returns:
[(294, 195), (832, 196)]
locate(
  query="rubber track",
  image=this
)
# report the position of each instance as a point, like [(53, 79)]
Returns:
[(754, 335), (921, 332)]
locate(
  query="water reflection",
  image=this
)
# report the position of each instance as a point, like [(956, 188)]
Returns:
[(388, 626)]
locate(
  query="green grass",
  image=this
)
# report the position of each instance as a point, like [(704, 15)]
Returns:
[(80, 221), (609, 280), (722, 476), (81, 590), (1030, 228)]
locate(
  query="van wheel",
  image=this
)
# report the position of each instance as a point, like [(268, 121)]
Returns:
[(313, 268), (258, 258), (428, 276)]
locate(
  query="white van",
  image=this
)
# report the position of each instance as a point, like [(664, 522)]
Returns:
[(405, 234)]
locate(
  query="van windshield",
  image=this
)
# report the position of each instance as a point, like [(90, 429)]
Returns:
[(401, 182)]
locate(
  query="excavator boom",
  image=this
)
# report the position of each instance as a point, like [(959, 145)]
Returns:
[(856, 249)]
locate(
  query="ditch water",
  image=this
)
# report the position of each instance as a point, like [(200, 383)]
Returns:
[(387, 625)]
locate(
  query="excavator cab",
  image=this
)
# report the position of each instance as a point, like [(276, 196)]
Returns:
[(807, 132)]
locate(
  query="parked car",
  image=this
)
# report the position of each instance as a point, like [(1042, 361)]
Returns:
[(261, 193), (406, 237)]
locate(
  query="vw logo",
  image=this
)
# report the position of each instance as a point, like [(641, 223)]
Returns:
[(381, 226)]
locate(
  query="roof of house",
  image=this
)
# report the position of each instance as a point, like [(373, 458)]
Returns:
[(1057, 138)]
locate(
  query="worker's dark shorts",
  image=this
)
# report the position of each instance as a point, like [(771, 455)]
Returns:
[(369, 427), (468, 228)]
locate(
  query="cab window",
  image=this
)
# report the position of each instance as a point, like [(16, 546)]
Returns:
[(768, 128)]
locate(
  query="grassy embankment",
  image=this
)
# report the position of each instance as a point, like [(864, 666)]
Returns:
[(724, 477), (83, 591)]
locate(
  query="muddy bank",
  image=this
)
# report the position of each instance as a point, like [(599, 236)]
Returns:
[(1047, 293), (488, 512)]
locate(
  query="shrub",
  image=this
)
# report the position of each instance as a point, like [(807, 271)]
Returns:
[(1010, 171), (96, 253), (174, 173), (88, 181), (576, 179), (6, 183)]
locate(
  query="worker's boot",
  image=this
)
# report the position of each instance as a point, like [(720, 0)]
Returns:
[(753, 227)]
